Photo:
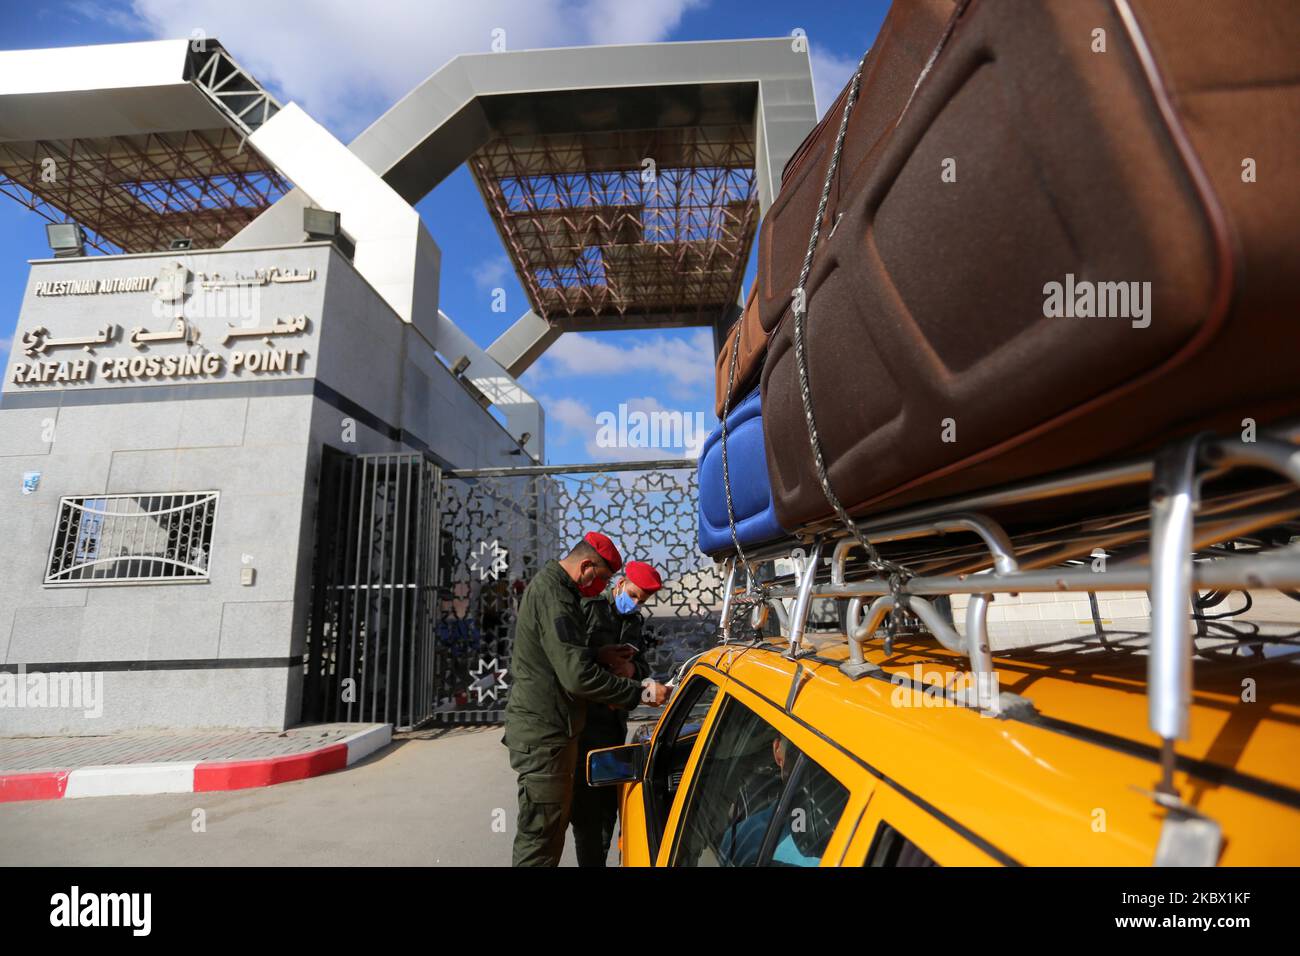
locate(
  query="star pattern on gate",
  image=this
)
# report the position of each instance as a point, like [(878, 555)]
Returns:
[(489, 560), (651, 516), (488, 679)]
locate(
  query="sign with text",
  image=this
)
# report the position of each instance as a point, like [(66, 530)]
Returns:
[(230, 317)]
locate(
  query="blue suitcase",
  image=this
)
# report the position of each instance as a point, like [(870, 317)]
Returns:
[(751, 492)]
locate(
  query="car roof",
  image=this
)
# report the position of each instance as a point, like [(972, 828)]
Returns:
[(1080, 737)]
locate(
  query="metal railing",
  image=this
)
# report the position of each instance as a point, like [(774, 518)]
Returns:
[(153, 538), (1180, 556)]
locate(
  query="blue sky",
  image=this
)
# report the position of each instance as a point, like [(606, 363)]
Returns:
[(346, 62)]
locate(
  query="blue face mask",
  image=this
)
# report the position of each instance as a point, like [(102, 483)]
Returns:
[(624, 603)]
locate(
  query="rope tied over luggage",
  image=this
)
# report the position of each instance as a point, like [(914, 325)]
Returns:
[(726, 473), (877, 564)]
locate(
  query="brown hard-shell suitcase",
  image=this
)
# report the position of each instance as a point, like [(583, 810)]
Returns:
[(905, 41), (1056, 158), (907, 38), (748, 343)]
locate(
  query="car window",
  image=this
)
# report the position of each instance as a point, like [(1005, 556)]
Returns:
[(674, 743), (737, 815), (891, 848), (737, 790), (810, 809)]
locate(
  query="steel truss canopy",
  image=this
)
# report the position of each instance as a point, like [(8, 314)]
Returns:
[(140, 143), (644, 223), (626, 182)]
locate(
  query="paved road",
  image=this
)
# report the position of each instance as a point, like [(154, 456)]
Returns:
[(444, 798)]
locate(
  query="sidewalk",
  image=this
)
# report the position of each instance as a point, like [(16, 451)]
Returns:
[(52, 768)]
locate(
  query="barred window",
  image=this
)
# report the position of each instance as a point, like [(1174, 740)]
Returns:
[(131, 539)]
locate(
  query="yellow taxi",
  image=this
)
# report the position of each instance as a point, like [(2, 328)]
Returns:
[(761, 759)]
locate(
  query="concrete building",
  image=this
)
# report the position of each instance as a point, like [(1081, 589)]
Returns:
[(268, 302)]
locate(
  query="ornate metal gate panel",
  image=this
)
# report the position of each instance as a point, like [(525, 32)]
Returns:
[(371, 649), (499, 526)]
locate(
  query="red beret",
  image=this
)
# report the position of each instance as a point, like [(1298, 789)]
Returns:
[(605, 548), (643, 576)]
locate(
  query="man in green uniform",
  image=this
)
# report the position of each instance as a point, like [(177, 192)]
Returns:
[(613, 630), (556, 675)]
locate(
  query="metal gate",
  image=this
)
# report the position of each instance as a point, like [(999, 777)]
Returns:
[(500, 525), (418, 576), (371, 651)]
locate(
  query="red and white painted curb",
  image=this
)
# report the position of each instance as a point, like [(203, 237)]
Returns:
[(135, 779)]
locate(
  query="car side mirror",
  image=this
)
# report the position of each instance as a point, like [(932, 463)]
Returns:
[(611, 765)]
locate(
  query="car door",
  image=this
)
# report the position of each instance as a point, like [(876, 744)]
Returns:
[(649, 804), (764, 791), (898, 831)]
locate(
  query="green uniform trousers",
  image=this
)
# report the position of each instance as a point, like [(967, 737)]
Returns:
[(545, 801)]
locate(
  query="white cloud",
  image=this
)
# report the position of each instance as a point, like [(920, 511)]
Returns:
[(491, 273), (532, 379), (346, 63), (632, 21), (571, 415), (831, 73), (576, 419), (685, 363), (102, 13)]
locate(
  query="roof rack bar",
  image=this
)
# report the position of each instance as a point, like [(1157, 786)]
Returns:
[(724, 623), (1273, 454), (986, 696), (975, 645), (997, 540), (803, 600), (1174, 492), (861, 630), (1279, 570), (987, 687)]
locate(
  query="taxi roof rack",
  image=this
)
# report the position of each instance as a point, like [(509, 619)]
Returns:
[(1163, 543)]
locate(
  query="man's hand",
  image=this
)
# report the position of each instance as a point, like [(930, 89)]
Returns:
[(613, 656), (654, 693)]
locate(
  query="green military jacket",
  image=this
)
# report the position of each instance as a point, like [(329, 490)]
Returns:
[(555, 671), (605, 626)]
